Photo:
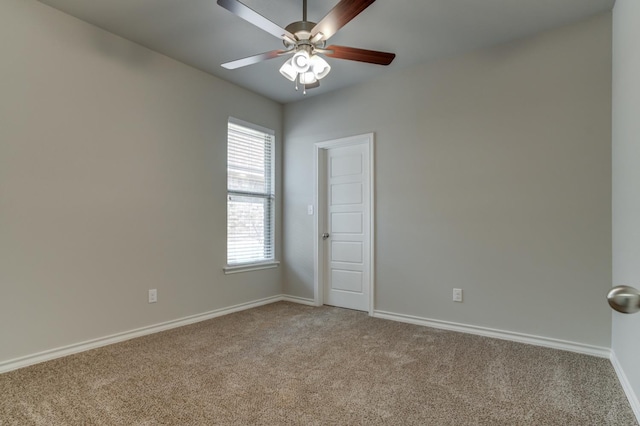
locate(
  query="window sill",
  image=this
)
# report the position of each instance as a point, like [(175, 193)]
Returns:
[(250, 267)]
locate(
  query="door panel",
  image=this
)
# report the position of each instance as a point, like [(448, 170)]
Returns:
[(345, 166), (347, 222), (350, 281), (346, 252), (347, 269), (346, 193)]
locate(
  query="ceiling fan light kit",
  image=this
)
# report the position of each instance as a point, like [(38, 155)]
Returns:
[(320, 67), (300, 61), (288, 71), (305, 69), (306, 40)]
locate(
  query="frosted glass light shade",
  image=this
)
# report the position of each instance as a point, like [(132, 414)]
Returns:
[(319, 67), (288, 71), (300, 61), (307, 78)]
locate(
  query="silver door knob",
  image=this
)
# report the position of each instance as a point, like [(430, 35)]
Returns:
[(325, 235), (624, 299)]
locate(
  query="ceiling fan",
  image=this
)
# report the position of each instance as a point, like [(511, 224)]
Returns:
[(306, 40)]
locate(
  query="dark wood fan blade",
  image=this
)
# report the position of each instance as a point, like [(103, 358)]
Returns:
[(239, 63), (339, 16), (361, 55), (253, 17)]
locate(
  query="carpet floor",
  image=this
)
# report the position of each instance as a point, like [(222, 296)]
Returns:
[(287, 364)]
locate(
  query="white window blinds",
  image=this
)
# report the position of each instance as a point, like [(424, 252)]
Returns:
[(250, 194)]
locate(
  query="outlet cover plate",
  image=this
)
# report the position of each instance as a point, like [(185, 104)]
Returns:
[(457, 295)]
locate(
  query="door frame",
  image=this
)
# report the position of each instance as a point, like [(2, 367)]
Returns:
[(320, 203)]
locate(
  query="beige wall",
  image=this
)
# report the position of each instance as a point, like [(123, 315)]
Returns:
[(626, 182), (493, 174), (112, 181)]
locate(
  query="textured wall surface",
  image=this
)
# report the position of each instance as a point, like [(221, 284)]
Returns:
[(493, 174), (112, 181)]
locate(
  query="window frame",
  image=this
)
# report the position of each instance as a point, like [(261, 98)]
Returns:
[(270, 201)]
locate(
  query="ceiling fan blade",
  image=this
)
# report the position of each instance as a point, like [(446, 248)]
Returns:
[(239, 63), (361, 55), (339, 16), (253, 17)]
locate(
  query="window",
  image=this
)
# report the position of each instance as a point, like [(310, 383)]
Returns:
[(250, 196)]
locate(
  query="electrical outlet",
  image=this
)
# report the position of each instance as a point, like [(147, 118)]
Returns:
[(153, 295), (457, 295), (310, 209)]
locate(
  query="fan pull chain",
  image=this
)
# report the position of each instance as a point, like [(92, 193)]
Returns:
[(304, 84)]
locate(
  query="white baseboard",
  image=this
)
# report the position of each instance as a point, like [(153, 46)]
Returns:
[(548, 342), (25, 361), (598, 351), (634, 400), (300, 300), (50, 354)]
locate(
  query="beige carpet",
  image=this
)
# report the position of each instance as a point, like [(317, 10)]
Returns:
[(292, 364)]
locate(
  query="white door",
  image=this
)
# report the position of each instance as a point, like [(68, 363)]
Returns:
[(346, 239)]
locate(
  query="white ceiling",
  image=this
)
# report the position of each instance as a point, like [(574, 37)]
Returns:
[(202, 34)]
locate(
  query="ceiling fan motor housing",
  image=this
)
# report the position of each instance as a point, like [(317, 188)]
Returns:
[(302, 31)]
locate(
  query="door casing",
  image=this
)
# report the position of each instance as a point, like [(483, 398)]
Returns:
[(320, 203)]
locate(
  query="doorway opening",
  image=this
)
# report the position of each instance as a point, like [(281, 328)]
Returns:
[(344, 223)]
